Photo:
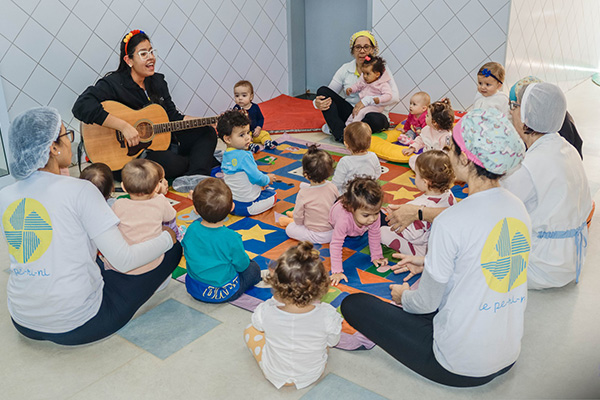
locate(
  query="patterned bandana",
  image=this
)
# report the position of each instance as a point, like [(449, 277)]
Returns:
[(489, 140)]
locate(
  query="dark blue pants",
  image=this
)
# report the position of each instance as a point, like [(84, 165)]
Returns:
[(122, 296), (247, 279)]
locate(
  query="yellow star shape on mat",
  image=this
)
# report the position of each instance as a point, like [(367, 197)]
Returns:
[(256, 233), (251, 255), (402, 193), (404, 179)]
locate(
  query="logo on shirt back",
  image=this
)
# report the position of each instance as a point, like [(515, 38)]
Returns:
[(28, 230), (505, 255)]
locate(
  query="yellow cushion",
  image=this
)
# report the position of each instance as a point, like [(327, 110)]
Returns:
[(383, 145)]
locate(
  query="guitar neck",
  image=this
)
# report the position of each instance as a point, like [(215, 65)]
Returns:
[(183, 124)]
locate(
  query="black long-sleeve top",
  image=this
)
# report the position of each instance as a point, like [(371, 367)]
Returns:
[(119, 86)]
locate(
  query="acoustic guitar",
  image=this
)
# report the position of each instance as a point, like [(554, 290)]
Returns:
[(109, 146)]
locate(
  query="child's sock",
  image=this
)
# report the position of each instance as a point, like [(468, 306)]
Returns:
[(270, 144), (254, 147), (403, 139)]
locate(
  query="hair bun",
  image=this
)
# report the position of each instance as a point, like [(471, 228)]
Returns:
[(313, 148), (306, 252)]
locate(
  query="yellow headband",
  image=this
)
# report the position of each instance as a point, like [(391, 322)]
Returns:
[(368, 35)]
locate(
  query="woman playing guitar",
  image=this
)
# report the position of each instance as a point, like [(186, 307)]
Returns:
[(136, 85)]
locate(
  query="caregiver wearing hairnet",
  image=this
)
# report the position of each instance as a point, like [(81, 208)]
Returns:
[(54, 226), (552, 183)]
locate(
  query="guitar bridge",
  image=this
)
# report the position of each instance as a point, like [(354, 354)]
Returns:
[(120, 138)]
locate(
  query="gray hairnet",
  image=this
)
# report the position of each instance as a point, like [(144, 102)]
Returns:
[(543, 107), (29, 139)]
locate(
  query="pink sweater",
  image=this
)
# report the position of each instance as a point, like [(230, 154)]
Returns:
[(344, 225), (380, 88), (313, 204), (418, 123)]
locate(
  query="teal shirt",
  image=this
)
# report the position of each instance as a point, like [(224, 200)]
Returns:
[(213, 255)]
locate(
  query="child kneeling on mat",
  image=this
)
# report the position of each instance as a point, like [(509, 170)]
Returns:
[(290, 332), (218, 268), (241, 172)]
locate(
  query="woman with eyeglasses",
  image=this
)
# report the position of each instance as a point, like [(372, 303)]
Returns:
[(552, 183), (54, 226), (337, 106), (136, 84)]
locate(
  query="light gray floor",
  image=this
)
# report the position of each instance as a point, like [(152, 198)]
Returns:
[(560, 356)]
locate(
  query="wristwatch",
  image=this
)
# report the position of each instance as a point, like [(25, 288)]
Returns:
[(420, 213)]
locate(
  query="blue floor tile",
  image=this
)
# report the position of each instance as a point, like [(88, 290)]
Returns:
[(334, 387), (167, 328)]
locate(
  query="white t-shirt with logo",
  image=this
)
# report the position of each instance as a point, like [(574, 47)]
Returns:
[(479, 250), (49, 222)]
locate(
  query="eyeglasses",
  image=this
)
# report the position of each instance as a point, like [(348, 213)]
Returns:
[(366, 47), (514, 105), (71, 134), (145, 53)]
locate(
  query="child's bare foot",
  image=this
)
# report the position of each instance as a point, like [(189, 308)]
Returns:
[(191, 195)]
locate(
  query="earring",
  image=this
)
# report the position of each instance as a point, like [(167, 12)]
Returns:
[(58, 152)]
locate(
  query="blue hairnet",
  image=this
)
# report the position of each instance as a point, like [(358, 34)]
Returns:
[(29, 139)]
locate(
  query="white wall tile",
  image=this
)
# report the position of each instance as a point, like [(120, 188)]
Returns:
[(216, 32), (251, 10), (231, 78), (192, 75), (10, 92), (58, 59), (227, 13), (418, 68), (51, 14), (125, 11), (20, 67), (454, 34), (473, 16), (264, 58), (34, 40), (379, 11), (230, 48), (187, 6), (493, 6), (202, 16), (80, 76), (178, 58), (22, 102), (182, 94), (420, 31), (90, 12), (74, 34), (403, 48), (96, 53), (197, 107), (240, 28), (63, 101), (438, 14), (204, 53), (207, 88), (163, 41), (4, 46), (218, 67), (434, 86), (272, 8), (387, 30), (70, 3), (490, 37), (263, 25), (221, 102), (456, 5), (451, 71), (158, 8), (41, 85), (111, 29), (422, 4), (435, 51), (242, 62), (145, 21), (253, 43), (174, 20), (471, 56), (463, 93), (190, 37), (214, 5)]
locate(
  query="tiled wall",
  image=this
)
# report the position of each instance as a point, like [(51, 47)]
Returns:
[(557, 41), (438, 45), (51, 50)]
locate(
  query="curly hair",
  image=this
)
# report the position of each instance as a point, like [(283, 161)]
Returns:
[(442, 114), (317, 164), (435, 166), (377, 63), (299, 276), (362, 192), (229, 120)]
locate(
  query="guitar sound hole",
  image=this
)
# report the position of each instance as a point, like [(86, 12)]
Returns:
[(145, 131)]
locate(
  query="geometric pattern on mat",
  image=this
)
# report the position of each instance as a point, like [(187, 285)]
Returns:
[(264, 240)]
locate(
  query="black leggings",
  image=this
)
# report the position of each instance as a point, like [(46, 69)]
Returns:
[(194, 156), (340, 110), (122, 296), (406, 337)]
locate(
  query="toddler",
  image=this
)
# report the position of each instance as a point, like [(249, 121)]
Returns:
[(373, 87), (163, 189), (243, 92), (356, 212), (357, 138), (218, 268), (102, 177), (489, 84), (417, 112), (290, 332), (311, 212), (143, 214), (436, 135), (434, 176), (242, 175)]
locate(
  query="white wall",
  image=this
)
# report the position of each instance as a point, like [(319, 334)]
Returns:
[(51, 50), (437, 46), (557, 41)]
